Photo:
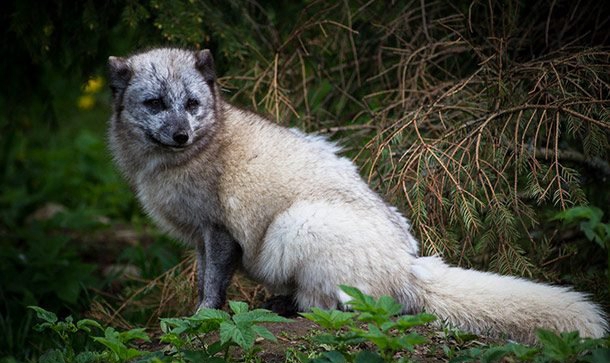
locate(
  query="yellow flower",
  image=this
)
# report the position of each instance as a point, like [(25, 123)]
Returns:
[(86, 102), (94, 85)]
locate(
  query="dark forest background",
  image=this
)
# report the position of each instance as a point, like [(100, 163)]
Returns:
[(486, 123)]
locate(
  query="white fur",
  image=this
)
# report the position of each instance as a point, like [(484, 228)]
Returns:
[(492, 304)]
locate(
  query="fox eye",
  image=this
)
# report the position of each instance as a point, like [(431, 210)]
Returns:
[(155, 104), (191, 104)]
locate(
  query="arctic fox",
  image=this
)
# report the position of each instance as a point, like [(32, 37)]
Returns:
[(295, 216)]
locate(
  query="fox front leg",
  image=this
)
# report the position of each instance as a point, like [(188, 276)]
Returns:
[(217, 258)]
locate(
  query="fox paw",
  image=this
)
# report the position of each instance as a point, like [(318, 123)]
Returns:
[(283, 305)]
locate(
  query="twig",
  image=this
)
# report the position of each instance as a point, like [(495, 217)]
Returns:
[(572, 155), (330, 130)]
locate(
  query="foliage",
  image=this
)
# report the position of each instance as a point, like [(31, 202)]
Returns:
[(55, 217), (372, 332), (44, 268), (209, 334), (566, 347), (589, 220), (187, 337), (388, 334), (240, 329), (115, 343)]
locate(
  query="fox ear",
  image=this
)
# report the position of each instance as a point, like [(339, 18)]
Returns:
[(205, 65), (119, 74)]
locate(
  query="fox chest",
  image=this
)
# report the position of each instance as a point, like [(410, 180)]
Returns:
[(181, 207)]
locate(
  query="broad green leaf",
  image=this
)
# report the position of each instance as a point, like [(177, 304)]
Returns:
[(173, 339), (113, 341), (578, 213), (553, 346), (357, 295), (118, 349), (589, 230), (176, 325), (114, 346), (389, 305), (412, 339), (409, 321), (333, 319), (139, 333), (131, 353), (240, 335), (264, 333), (43, 314), (207, 320), (84, 324), (380, 339), (238, 307), (388, 325), (210, 314), (259, 316)]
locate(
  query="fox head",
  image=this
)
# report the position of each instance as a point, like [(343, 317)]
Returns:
[(164, 99)]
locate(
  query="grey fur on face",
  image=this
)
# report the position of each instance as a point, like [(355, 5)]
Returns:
[(167, 99)]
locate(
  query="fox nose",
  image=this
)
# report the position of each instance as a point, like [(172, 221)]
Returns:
[(180, 137)]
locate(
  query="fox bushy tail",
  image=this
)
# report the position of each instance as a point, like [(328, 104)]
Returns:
[(503, 306)]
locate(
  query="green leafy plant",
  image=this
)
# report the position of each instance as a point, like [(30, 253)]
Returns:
[(589, 221), (188, 336), (372, 320), (115, 343), (65, 331), (41, 268), (565, 347)]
